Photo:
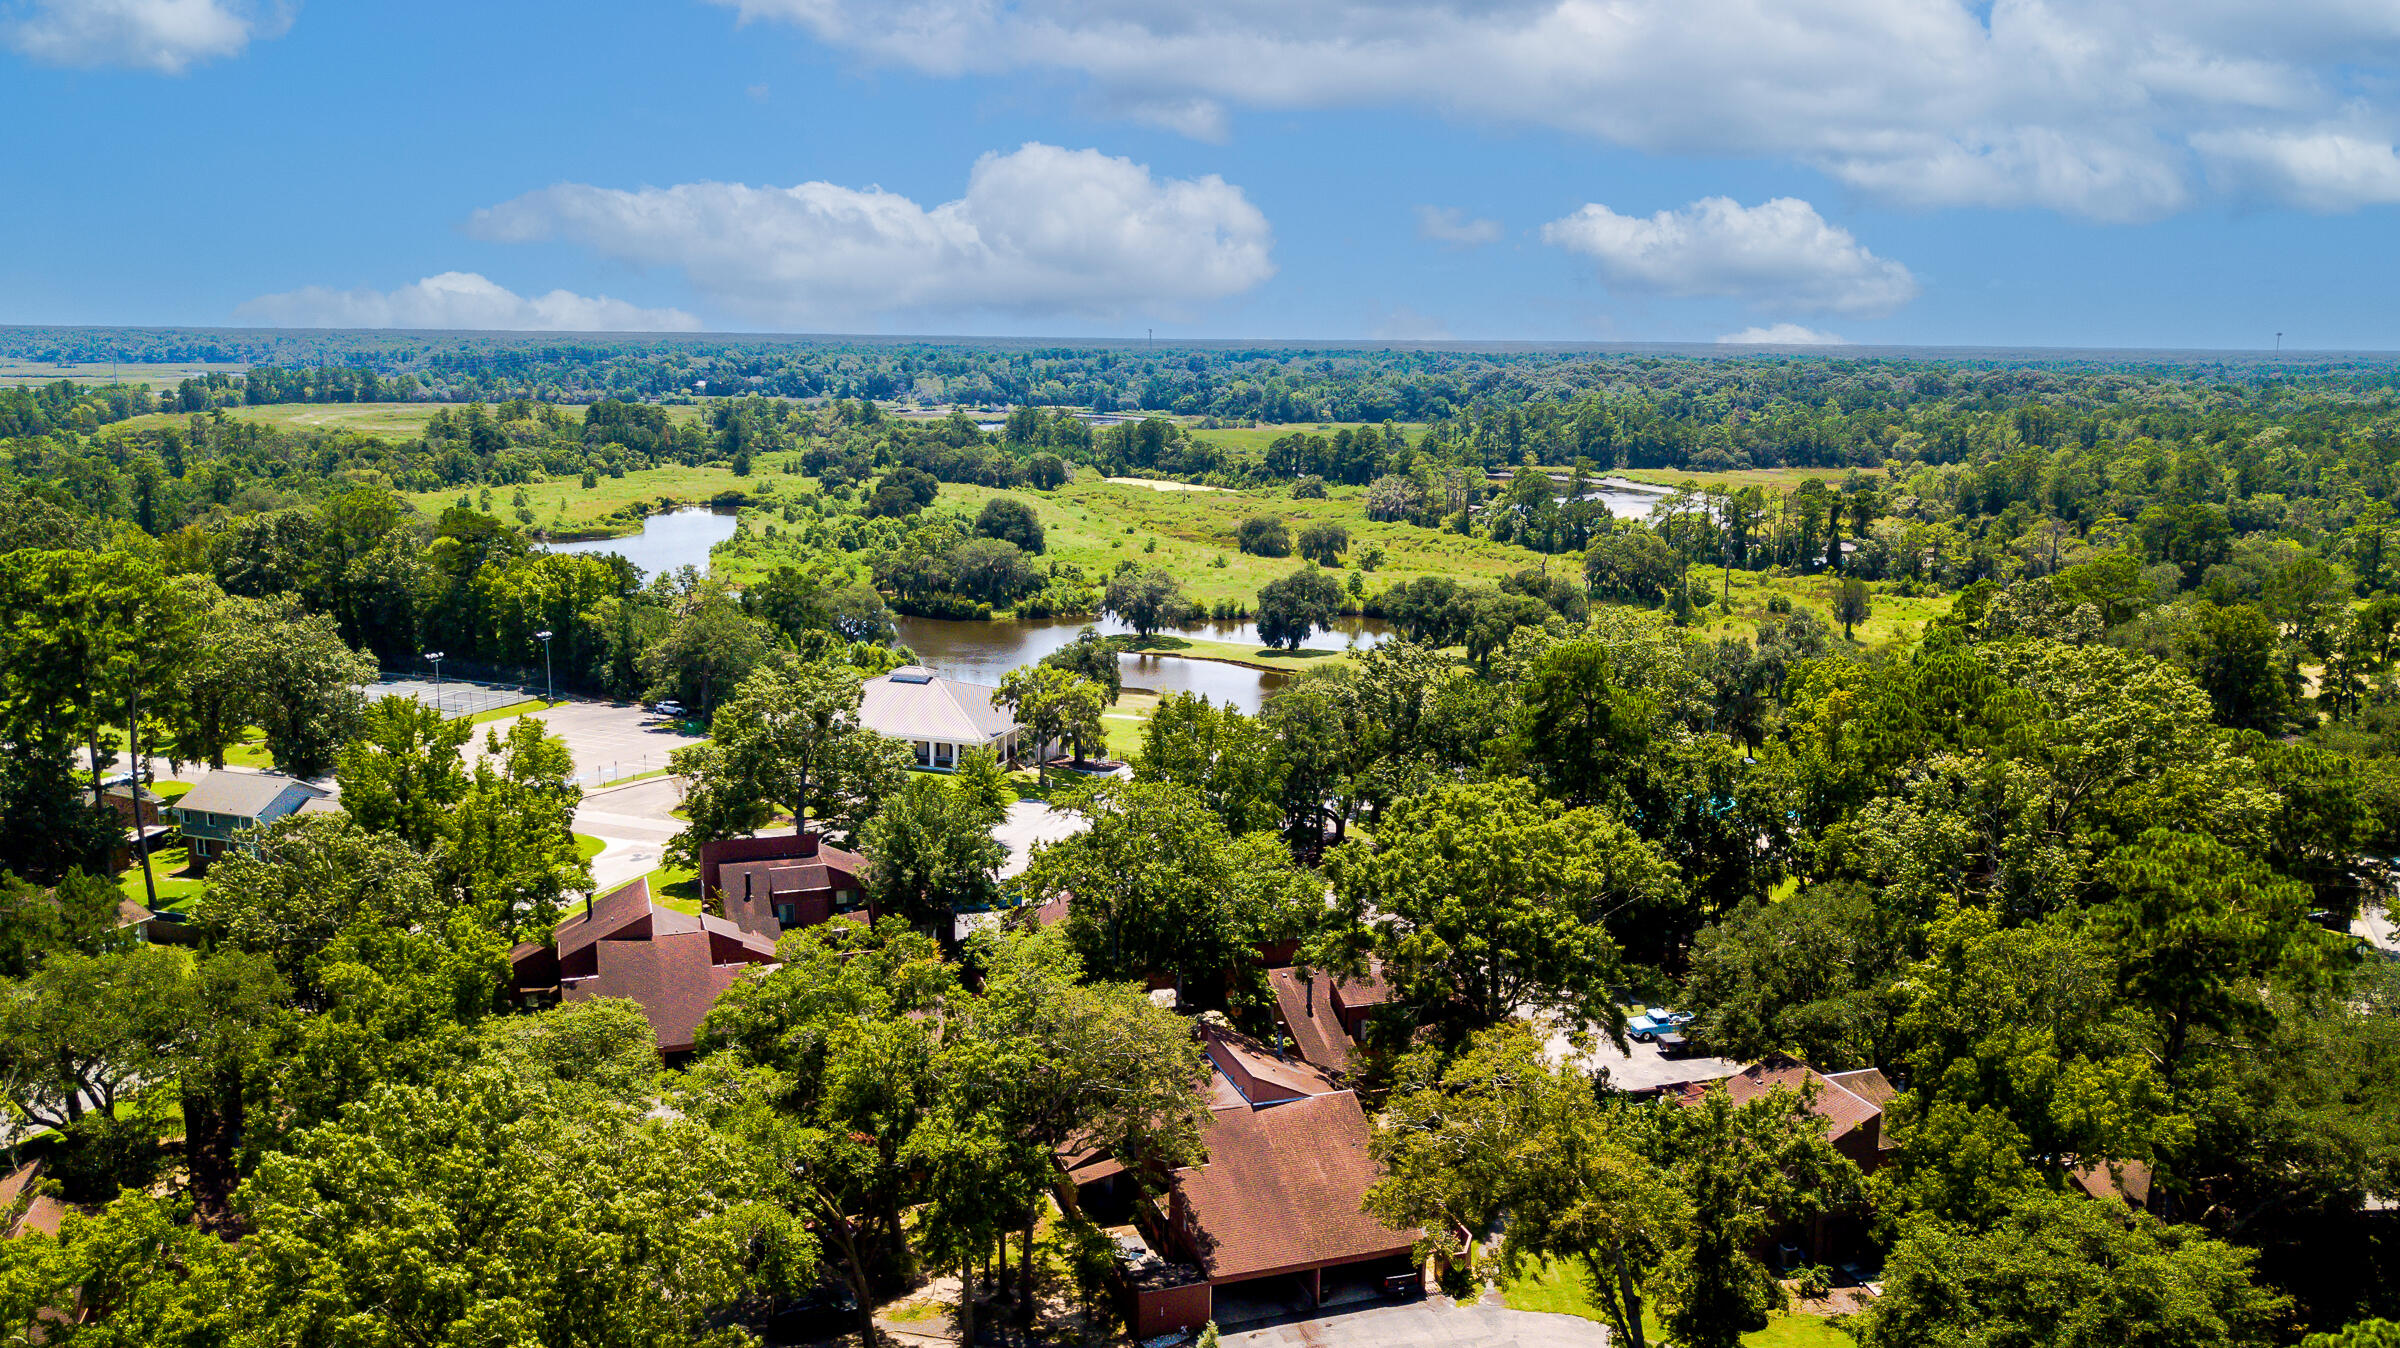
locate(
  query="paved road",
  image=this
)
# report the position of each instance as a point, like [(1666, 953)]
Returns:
[(1433, 1323)]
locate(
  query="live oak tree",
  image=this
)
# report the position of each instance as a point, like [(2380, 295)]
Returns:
[(1043, 1058), (930, 850), (430, 1214), (823, 1068), (789, 737), (1157, 885), (1147, 600), (1501, 1129), (508, 848), (1741, 1168), (402, 774), (1487, 902), (1052, 706), (305, 682), (2061, 1269), (1291, 608), (1231, 760)]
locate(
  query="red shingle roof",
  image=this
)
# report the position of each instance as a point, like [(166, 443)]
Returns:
[(1281, 1190)]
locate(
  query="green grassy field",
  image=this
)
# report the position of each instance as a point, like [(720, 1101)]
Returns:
[(565, 508), (1891, 616), (17, 373), (1095, 524), (393, 421), (1558, 1290), (1250, 442)]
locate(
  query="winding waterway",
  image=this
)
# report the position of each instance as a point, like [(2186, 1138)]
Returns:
[(980, 652)]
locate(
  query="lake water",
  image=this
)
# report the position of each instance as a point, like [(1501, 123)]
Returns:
[(680, 538), (1627, 499), (980, 652)]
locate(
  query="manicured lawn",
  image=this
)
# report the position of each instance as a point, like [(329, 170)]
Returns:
[(511, 711), (1559, 1290), (675, 887), (587, 846), (176, 888), (1243, 653)]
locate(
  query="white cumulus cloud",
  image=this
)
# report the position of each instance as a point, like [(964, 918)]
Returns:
[(1450, 225), (460, 299), (1780, 334), (1040, 231), (168, 36), (2320, 170), (2091, 107), (1777, 255)]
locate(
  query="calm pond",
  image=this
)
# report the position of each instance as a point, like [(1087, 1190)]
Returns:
[(980, 652), (666, 542)]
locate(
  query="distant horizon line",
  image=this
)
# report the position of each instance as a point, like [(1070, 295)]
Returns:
[(1459, 344)]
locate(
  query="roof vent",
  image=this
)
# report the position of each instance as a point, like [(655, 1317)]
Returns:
[(912, 674)]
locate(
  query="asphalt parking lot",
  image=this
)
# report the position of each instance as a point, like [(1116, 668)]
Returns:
[(609, 741)]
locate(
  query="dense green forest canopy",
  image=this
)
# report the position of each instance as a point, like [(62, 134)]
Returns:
[(2073, 860)]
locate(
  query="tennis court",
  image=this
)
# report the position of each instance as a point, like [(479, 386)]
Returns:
[(454, 698)]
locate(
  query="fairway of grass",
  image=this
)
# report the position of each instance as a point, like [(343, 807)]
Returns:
[(566, 509), (1558, 1290), (1094, 524)]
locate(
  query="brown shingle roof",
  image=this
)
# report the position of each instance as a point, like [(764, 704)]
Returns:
[(1315, 1028), (670, 976), (612, 914), (1257, 1073), (1842, 1109), (1281, 1190)]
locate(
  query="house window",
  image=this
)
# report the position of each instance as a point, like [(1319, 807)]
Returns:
[(924, 754), (786, 913)]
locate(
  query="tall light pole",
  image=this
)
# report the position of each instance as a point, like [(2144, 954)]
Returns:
[(548, 680), (436, 658)]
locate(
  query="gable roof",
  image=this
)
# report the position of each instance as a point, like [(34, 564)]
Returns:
[(1315, 1027), (1259, 1075), (625, 906), (1281, 1190), (1843, 1109), (242, 794), (670, 977), (914, 703)]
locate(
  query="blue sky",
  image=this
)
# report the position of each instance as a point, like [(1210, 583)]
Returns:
[(2131, 173)]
